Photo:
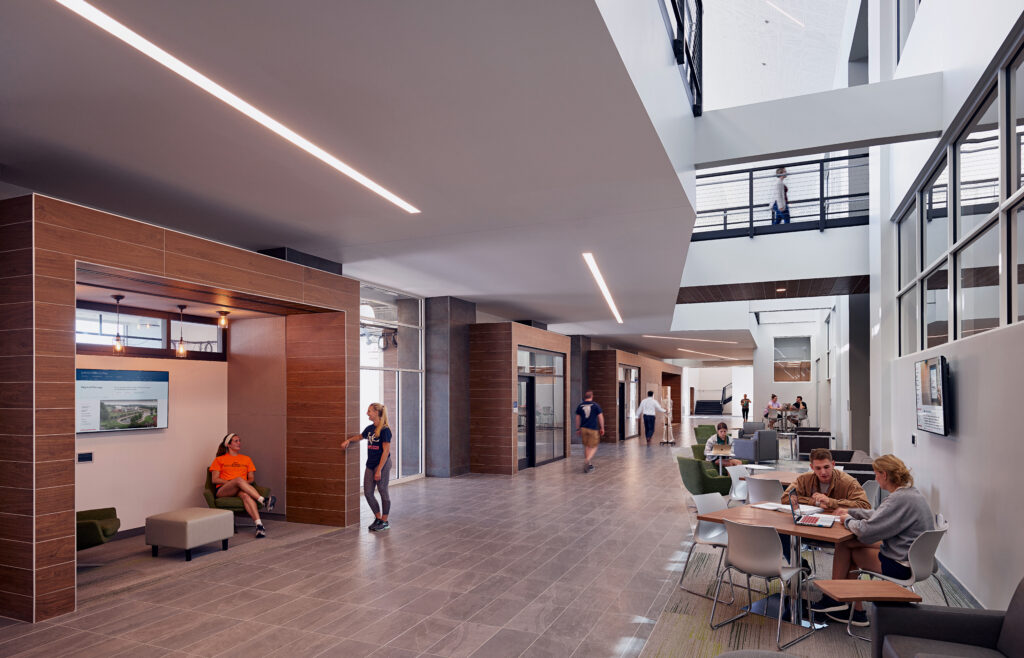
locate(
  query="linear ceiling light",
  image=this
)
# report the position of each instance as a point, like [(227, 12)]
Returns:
[(717, 356), (786, 14), (133, 39), (592, 264), (699, 340)]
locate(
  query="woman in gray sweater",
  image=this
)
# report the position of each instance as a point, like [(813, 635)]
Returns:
[(884, 535)]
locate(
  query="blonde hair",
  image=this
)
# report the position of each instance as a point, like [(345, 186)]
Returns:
[(382, 417), (895, 470)]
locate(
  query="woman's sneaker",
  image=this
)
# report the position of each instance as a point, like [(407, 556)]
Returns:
[(261, 532), (374, 525), (860, 617), (384, 525), (828, 604), (269, 502)]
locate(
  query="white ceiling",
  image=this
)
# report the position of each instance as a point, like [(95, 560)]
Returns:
[(754, 53), (513, 126)]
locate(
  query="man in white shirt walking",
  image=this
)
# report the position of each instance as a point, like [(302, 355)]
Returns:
[(780, 201), (648, 410)]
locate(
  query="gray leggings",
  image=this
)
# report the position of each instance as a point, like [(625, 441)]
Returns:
[(369, 483)]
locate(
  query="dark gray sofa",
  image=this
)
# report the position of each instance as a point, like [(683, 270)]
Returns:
[(905, 630), (763, 446)]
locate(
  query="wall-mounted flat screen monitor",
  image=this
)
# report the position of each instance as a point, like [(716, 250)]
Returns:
[(931, 389), (117, 400)]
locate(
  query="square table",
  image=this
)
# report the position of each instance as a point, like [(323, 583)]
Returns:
[(849, 591), (785, 477)]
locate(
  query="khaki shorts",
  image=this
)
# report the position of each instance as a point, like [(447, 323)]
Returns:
[(590, 437)]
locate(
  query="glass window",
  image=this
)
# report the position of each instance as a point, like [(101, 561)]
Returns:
[(793, 359), (978, 153), (936, 217), (908, 246), (1018, 264), (936, 307), (978, 289), (1017, 149), (100, 327), (389, 347), (388, 306), (909, 315), (198, 337)]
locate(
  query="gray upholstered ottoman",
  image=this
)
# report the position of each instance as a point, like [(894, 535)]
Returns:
[(188, 528)]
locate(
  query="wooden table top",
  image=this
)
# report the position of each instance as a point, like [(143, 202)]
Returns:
[(785, 477), (866, 590), (781, 521)]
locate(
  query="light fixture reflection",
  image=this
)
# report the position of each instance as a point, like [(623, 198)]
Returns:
[(592, 264), (161, 56)]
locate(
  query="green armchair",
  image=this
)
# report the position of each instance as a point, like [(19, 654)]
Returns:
[(698, 479), (230, 503), (703, 432), (96, 526)]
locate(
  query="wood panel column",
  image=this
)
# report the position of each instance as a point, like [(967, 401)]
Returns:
[(318, 473)]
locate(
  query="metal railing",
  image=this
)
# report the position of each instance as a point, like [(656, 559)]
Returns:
[(822, 193), (687, 18)]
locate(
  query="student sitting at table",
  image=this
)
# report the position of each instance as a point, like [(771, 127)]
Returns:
[(798, 411), (771, 412), (883, 535), (721, 438), (825, 487)]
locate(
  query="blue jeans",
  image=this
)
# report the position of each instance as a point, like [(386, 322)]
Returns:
[(779, 216)]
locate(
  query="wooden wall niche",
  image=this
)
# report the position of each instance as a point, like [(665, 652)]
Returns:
[(603, 379), (42, 241), (493, 377)]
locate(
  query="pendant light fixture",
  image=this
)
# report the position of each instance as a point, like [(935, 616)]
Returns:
[(118, 342), (180, 350), (223, 321)]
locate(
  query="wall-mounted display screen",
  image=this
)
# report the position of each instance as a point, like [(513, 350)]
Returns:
[(114, 400), (931, 389)]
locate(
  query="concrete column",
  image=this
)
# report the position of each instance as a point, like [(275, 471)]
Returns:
[(860, 373), (447, 385), (577, 375)]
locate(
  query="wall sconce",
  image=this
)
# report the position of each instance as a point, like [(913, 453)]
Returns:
[(223, 321), (180, 350), (118, 342)]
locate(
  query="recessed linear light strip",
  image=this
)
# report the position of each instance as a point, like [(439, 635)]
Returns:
[(699, 340), (592, 264), (717, 356), (784, 13), (151, 50)]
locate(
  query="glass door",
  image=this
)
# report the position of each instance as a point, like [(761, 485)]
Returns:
[(632, 401), (525, 422)]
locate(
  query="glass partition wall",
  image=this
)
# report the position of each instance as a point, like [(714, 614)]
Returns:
[(960, 255), (540, 407), (391, 372)]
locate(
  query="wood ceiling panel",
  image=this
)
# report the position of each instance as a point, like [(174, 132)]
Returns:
[(794, 288)]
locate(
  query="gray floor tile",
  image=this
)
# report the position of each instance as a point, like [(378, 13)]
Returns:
[(506, 642), (464, 640)]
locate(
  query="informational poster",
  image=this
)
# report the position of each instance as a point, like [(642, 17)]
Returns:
[(931, 415), (114, 400)]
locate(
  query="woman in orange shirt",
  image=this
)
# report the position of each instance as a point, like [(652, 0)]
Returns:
[(232, 475)]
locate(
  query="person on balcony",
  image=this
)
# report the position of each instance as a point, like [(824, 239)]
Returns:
[(780, 200)]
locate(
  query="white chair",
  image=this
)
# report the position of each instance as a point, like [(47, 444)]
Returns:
[(757, 551), (764, 491), (871, 489), (840, 468), (922, 559), (709, 534), (739, 486)]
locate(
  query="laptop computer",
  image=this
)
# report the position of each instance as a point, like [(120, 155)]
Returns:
[(721, 449), (817, 520)]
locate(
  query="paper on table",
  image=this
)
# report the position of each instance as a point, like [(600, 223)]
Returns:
[(779, 507)]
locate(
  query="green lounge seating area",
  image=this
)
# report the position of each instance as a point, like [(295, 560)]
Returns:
[(96, 526), (230, 503), (700, 477)]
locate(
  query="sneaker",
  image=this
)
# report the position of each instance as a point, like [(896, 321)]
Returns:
[(860, 617), (374, 525), (586, 468), (269, 502), (591, 468), (384, 525), (261, 532), (828, 604)]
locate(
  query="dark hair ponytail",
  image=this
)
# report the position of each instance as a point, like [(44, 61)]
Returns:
[(222, 449)]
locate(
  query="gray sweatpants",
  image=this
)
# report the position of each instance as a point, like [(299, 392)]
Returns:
[(369, 483)]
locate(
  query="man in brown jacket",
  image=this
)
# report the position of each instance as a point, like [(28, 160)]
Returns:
[(825, 487)]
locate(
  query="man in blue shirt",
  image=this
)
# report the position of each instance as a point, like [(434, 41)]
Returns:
[(590, 427)]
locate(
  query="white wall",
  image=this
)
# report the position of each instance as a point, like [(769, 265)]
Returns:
[(969, 476), (742, 382), (764, 367), (147, 472)]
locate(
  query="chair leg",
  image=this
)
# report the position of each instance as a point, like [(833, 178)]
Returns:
[(714, 606), (941, 589), (686, 566), (796, 618)]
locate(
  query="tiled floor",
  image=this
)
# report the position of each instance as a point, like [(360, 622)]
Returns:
[(552, 562)]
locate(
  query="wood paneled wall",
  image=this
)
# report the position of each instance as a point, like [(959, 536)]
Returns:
[(42, 240), (493, 381), (603, 378)]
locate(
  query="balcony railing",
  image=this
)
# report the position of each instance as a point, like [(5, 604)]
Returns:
[(686, 19), (822, 193)]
